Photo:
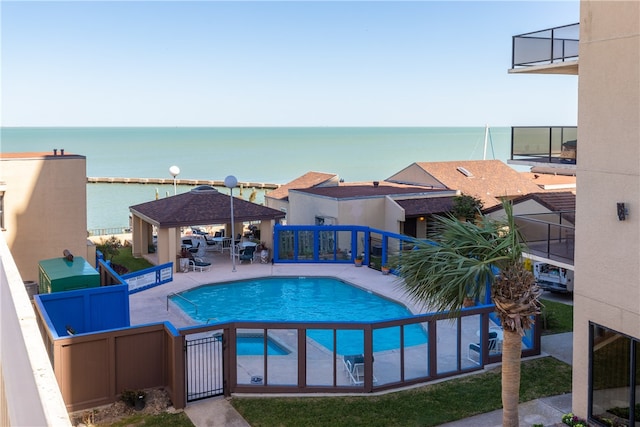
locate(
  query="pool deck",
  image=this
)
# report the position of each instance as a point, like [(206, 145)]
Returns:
[(150, 305)]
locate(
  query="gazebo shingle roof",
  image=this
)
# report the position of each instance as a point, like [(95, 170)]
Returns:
[(203, 205)]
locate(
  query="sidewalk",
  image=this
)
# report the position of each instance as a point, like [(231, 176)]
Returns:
[(547, 411)]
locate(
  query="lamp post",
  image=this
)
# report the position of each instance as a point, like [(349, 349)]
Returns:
[(174, 171), (231, 182)]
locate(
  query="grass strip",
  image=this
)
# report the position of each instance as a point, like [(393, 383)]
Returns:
[(126, 259), (179, 419), (430, 405), (556, 318)]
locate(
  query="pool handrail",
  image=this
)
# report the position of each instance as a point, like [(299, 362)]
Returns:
[(173, 294)]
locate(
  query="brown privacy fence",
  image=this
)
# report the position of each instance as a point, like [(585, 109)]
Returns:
[(93, 369)]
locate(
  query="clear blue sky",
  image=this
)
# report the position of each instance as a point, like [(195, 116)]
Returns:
[(291, 63)]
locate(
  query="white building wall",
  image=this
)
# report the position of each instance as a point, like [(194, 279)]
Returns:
[(29, 393)]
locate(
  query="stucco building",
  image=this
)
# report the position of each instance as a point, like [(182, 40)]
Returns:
[(43, 199), (606, 339)]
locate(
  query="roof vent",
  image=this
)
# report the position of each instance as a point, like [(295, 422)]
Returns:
[(464, 172), (376, 183)]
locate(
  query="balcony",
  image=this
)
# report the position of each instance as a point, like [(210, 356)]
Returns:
[(544, 146), (549, 236), (550, 51)]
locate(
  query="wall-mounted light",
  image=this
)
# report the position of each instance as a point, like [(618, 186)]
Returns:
[(421, 218), (623, 211)]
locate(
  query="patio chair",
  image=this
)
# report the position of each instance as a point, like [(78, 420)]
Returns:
[(226, 245), (247, 254), (198, 230), (198, 249), (236, 251), (475, 348), (198, 264), (354, 368)]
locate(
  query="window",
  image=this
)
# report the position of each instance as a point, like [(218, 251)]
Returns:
[(615, 363)]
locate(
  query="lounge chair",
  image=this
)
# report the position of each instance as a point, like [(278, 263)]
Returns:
[(247, 254), (475, 348), (354, 368), (198, 264)]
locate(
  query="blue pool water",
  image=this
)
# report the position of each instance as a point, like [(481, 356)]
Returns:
[(303, 299), (254, 345)]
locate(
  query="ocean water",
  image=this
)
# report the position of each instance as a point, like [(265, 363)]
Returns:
[(262, 155)]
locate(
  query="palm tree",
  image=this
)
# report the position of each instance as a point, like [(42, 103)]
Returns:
[(460, 261)]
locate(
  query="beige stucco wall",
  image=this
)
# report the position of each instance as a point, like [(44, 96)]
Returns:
[(279, 204), (607, 257), (45, 208), (377, 212)]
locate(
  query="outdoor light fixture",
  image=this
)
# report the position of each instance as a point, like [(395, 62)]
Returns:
[(623, 212), (231, 182), (174, 171)]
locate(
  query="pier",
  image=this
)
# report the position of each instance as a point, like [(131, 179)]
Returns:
[(194, 182)]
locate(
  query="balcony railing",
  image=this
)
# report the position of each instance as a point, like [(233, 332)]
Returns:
[(549, 235), (553, 45), (538, 144)]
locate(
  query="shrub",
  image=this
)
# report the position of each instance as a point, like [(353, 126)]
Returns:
[(110, 247)]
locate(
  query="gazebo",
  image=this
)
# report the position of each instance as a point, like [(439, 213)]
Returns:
[(203, 205)]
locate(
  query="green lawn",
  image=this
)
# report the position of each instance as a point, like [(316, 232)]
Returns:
[(161, 420), (125, 258), (430, 405), (556, 317)]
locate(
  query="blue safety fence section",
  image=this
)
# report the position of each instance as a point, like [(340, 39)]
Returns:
[(85, 310)]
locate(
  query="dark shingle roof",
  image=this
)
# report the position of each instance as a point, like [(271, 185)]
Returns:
[(367, 190), (202, 206), (434, 205), (557, 201)]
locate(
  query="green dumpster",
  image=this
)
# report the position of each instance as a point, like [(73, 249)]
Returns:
[(61, 274)]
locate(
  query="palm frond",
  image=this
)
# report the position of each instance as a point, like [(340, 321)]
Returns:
[(460, 260)]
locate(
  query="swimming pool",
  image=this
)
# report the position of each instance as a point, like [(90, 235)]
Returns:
[(303, 299), (253, 345)]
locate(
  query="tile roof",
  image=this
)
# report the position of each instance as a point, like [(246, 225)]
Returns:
[(550, 181), (202, 205), (308, 180), (487, 180)]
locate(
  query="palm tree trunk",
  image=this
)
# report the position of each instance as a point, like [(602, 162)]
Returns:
[(511, 355)]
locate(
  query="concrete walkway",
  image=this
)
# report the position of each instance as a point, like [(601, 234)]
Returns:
[(215, 412), (547, 411)]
